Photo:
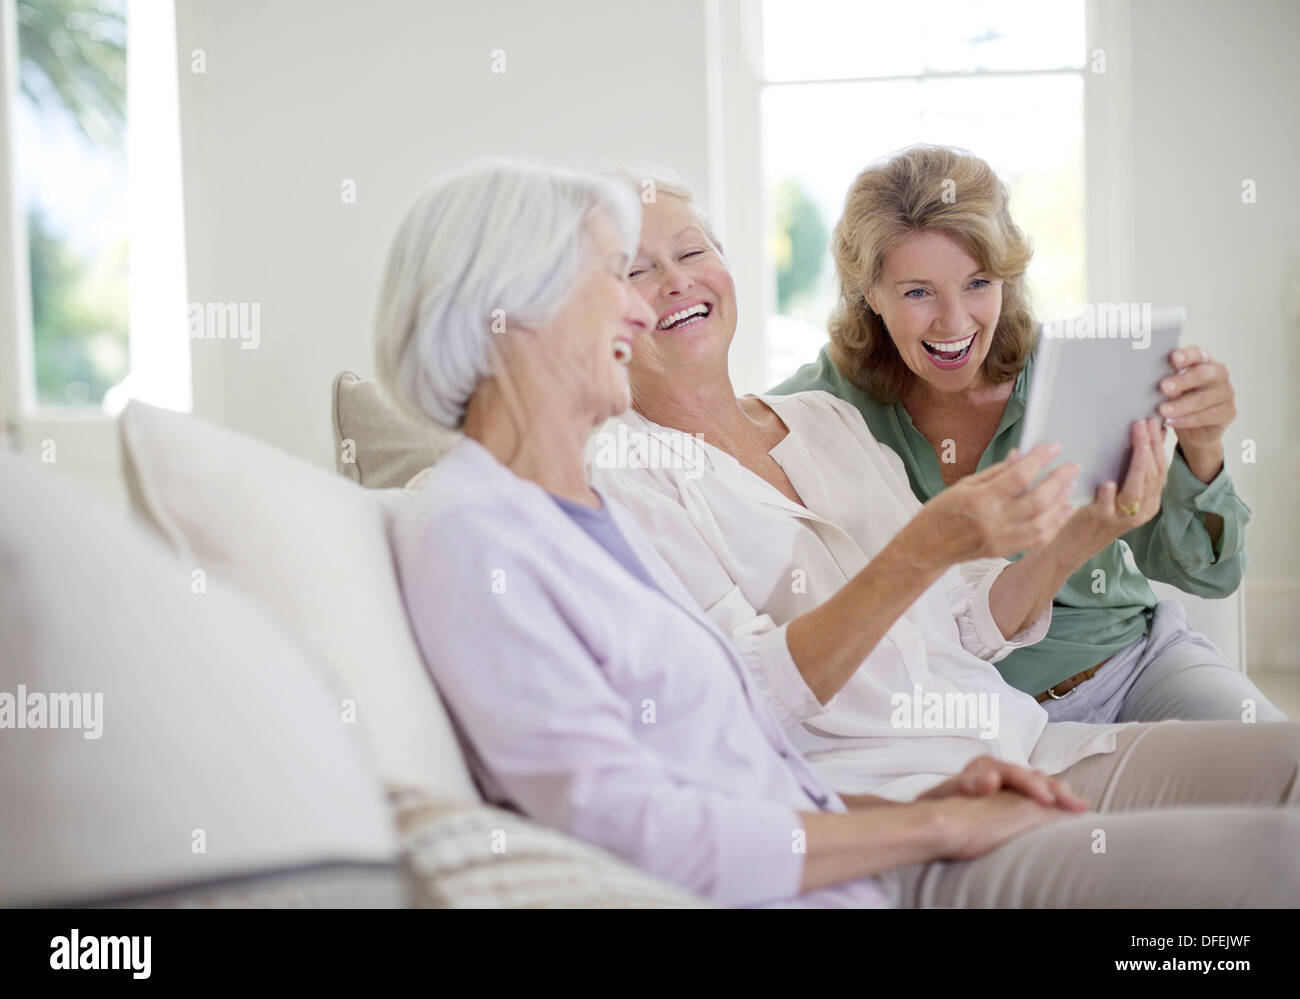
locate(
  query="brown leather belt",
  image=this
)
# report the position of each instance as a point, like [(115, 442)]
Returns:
[(1057, 691)]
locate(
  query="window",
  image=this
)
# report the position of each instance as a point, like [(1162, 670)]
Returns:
[(95, 149), (70, 132), (845, 83)]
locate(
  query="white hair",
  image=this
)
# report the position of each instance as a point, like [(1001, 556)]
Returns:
[(498, 244), (651, 180)]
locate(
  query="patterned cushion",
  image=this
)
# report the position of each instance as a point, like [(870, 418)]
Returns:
[(466, 855)]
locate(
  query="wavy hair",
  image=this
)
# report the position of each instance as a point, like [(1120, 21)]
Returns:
[(931, 189)]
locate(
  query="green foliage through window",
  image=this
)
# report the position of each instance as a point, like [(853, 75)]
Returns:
[(800, 237), (72, 70)]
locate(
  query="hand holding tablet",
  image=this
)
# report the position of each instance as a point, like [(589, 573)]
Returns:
[(1201, 406), (1120, 507)]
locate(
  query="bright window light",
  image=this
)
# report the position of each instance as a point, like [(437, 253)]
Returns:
[(849, 82)]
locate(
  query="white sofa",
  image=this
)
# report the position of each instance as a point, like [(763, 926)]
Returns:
[(270, 736)]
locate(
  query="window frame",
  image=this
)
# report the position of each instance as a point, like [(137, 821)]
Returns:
[(738, 199), (85, 438), (17, 376)]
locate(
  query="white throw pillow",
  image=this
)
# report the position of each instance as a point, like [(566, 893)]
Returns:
[(313, 549), (162, 744)]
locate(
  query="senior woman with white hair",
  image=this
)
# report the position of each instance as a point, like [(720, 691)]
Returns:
[(588, 690)]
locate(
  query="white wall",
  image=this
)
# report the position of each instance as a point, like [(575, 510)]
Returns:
[(299, 95), (1215, 101)]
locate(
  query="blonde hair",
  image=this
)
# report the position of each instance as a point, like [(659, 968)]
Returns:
[(932, 189), (650, 181)]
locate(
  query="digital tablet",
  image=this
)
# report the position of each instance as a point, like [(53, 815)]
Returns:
[(1093, 376)]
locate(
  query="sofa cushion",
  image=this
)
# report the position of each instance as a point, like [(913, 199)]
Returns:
[(463, 855), (375, 443), (161, 742), (313, 550)]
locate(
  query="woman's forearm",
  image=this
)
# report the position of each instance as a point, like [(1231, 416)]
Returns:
[(828, 644), (1206, 463), (857, 801), (1024, 589), (845, 846)]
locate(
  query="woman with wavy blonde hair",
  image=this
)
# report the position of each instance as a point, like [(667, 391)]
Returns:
[(933, 339), (919, 192)]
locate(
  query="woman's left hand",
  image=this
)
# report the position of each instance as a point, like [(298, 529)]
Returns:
[(986, 775), (1118, 509), (1200, 407)]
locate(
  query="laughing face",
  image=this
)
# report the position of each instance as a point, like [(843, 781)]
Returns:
[(682, 277), (940, 307), (590, 340)]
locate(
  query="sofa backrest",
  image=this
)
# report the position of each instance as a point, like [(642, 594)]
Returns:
[(313, 549)]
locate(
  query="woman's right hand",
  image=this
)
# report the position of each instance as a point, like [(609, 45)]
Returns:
[(970, 827), (994, 513), (864, 842)]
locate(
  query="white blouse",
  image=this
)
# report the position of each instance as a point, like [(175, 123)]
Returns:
[(927, 700)]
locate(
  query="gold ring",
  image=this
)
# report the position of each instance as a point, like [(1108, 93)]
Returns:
[(1129, 511)]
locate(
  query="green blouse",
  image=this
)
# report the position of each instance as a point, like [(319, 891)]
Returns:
[(1105, 606)]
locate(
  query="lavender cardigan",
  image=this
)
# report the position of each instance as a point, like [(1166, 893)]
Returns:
[(598, 706)]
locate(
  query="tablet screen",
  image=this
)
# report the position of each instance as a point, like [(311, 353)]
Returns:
[(1093, 376)]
